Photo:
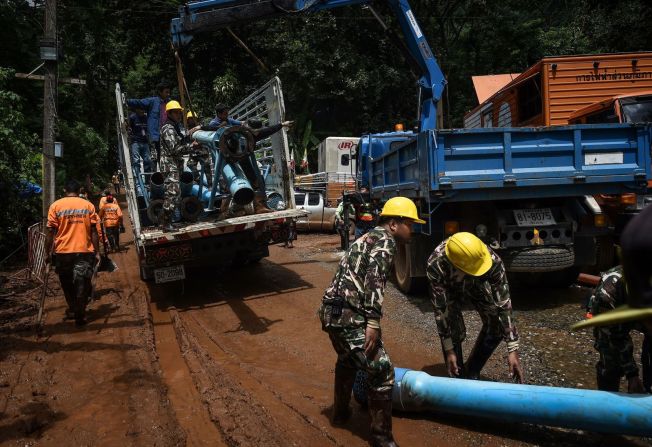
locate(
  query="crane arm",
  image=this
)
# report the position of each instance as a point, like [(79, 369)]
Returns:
[(206, 15)]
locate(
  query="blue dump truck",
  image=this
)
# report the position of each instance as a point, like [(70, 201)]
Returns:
[(528, 192), (525, 191)]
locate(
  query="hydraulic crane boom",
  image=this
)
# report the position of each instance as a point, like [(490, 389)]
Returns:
[(208, 15)]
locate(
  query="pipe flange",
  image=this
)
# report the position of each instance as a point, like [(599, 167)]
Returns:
[(232, 146)]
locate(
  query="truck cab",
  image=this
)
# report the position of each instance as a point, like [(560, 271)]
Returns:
[(320, 216), (626, 108)]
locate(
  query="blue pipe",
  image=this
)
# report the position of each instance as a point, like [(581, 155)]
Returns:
[(157, 186), (597, 411), (205, 196), (186, 183), (209, 138), (241, 191)]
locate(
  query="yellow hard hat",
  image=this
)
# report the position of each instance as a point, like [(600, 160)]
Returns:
[(173, 105), (468, 253), (401, 207), (191, 114)]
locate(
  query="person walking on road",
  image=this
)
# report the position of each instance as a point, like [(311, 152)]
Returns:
[(175, 143), (351, 311), (463, 268), (111, 216), (116, 183), (156, 117), (72, 235), (341, 225)]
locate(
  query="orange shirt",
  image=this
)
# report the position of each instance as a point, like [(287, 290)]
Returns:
[(111, 214), (72, 218), (102, 202)]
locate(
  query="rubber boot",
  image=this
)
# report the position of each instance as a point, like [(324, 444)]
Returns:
[(484, 346), (380, 411), (344, 380), (260, 205), (608, 382)]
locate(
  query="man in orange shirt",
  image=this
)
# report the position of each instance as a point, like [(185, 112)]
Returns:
[(72, 233), (111, 216)]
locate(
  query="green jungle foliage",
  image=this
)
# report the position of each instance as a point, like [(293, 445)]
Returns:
[(342, 75)]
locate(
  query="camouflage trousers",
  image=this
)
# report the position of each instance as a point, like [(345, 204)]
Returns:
[(172, 193), (204, 161), (349, 346), (490, 336), (75, 271)]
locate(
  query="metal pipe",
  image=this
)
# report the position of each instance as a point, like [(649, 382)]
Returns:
[(241, 191), (209, 138), (205, 193), (156, 186), (597, 411), (186, 182)]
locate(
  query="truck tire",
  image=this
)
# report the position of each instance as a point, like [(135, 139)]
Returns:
[(548, 259), (404, 281)]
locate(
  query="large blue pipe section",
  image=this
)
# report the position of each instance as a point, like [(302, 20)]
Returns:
[(597, 411)]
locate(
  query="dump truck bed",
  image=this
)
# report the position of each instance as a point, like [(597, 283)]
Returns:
[(507, 163)]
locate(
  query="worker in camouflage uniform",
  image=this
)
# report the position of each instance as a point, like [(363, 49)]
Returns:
[(636, 245), (351, 311), (175, 143), (463, 268), (613, 342)]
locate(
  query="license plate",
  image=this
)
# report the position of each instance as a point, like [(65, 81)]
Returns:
[(536, 217), (604, 158), (169, 274)]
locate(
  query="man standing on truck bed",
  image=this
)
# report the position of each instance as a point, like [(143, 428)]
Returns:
[(174, 145), (72, 227), (222, 116), (463, 267), (350, 313), (156, 116), (139, 137)]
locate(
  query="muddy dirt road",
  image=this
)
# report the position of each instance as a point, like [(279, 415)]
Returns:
[(264, 369), (237, 358)]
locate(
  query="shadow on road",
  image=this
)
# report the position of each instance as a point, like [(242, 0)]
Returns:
[(211, 287)]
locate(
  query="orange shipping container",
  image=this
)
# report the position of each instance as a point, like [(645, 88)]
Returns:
[(548, 92)]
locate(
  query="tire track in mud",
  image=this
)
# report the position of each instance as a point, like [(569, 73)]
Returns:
[(245, 409)]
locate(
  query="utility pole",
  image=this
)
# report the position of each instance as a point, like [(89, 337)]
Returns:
[(49, 55)]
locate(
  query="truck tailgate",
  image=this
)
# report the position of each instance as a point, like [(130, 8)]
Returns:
[(469, 163), (150, 235)]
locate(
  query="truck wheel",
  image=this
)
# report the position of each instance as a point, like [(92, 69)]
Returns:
[(146, 274), (538, 260), (405, 282)]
